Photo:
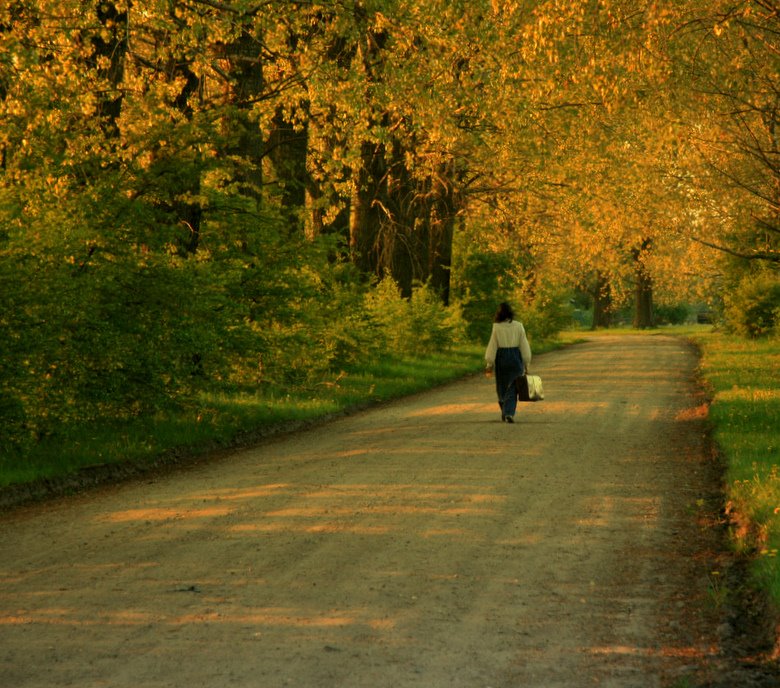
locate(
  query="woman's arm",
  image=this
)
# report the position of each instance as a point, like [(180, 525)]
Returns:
[(525, 347), (492, 347)]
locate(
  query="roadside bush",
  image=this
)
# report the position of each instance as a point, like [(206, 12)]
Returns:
[(418, 325), (752, 309), (546, 314), (677, 314), (386, 315), (347, 335), (483, 276), (432, 326)]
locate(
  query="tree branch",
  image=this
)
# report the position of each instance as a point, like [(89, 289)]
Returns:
[(773, 257)]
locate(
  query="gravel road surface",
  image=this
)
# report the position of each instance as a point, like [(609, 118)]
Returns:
[(421, 543)]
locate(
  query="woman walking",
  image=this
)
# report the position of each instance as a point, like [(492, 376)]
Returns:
[(509, 355)]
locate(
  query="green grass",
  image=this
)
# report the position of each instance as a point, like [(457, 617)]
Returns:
[(744, 380), (227, 417)]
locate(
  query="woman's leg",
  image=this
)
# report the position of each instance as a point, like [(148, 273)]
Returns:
[(510, 402), (508, 369), (499, 393)]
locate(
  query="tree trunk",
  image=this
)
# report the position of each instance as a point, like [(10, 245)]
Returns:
[(443, 218), (405, 227), (248, 82), (643, 317), (416, 227), (109, 49), (364, 214), (369, 210), (401, 225), (287, 150), (189, 213), (602, 303), (399, 222)]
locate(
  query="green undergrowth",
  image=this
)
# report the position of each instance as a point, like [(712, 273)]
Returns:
[(744, 380), (230, 416)]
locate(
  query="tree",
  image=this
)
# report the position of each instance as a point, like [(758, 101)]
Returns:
[(729, 56)]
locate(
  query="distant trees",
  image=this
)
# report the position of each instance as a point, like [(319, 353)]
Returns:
[(661, 146)]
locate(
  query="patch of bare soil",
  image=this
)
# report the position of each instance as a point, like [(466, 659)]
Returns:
[(423, 543)]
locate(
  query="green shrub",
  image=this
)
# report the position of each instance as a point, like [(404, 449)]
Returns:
[(433, 327), (546, 314), (419, 325), (752, 309), (347, 335), (677, 314), (386, 313), (483, 276)]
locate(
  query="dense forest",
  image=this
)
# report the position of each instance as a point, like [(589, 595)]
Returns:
[(256, 192)]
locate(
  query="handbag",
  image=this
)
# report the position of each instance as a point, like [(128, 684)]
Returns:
[(529, 388)]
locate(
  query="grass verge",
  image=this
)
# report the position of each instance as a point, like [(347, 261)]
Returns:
[(225, 417), (231, 416), (744, 381)]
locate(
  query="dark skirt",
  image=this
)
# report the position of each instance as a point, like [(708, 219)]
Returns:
[(508, 367)]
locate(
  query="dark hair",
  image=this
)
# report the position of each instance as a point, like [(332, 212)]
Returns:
[(504, 313)]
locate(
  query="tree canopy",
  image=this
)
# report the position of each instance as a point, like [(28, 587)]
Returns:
[(192, 189)]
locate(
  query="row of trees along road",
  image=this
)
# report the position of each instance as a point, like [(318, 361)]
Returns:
[(199, 189)]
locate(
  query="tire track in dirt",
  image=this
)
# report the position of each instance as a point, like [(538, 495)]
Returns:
[(422, 543)]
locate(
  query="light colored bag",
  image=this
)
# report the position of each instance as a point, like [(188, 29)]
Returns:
[(535, 388), (529, 388)]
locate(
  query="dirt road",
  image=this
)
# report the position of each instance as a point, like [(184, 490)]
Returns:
[(423, 543)]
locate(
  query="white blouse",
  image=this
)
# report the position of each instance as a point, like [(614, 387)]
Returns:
[(506, 335)]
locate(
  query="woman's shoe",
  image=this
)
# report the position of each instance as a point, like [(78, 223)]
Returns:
[(509, 419)]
